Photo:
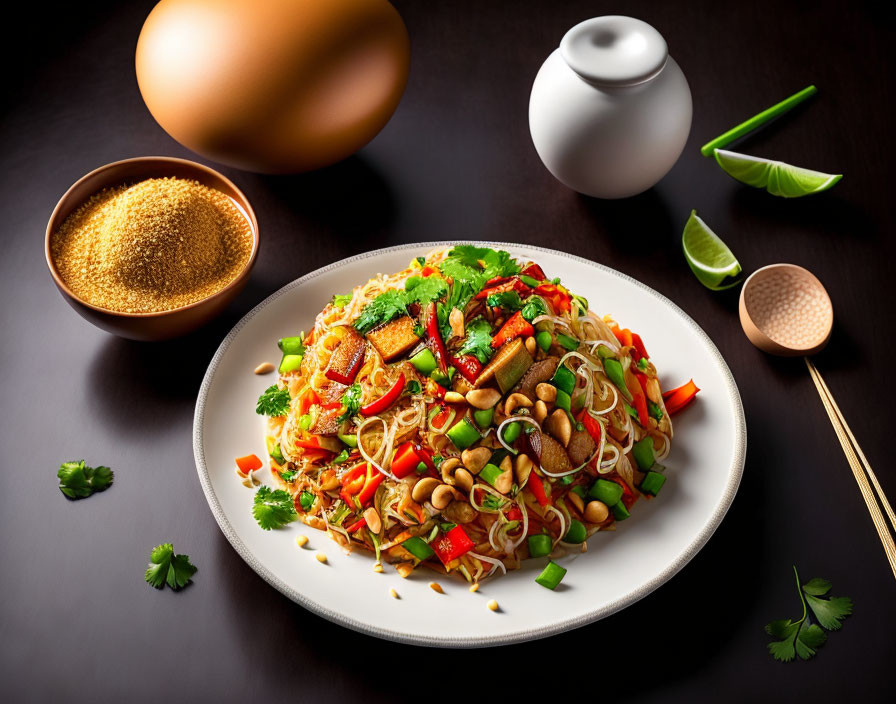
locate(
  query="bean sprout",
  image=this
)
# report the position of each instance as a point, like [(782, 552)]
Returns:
[(514, 419)]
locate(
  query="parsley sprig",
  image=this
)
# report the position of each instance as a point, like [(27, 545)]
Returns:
[(273, 402), (478, 341), (167, 568), (78, 481), (273, 509), (802, 637)]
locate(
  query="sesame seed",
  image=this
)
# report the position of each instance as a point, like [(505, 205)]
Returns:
[(436, 587), (152, 246)]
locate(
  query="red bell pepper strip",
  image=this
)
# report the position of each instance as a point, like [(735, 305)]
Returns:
[(469, 367), (405, 461), (434, 389), (534, 271), (514, 514), (513, 284), (639, 400), (435, 337), (386, 400), (356, 525), (537, 489), (676, 399), (592, 426), (452, 545), (248, 463), (306, 400), (515, 326), (558, 297), (353, 481), (428, 271), (374, 479), (638, 344)]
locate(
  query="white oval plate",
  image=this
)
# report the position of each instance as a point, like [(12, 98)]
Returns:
[(704, 470)]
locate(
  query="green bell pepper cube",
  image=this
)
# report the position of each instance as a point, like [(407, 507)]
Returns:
[(551, 575), (539, 545), (606, 491), (576, 533), (350, 440), (484, 418), (643, 452), (605, 352), (620, 511), (306, 500), (290, 363), (564, 379), (529, 281), (292, 345), (463, 434), (511, 432), (652, 483), (425, 361), (418, 548)]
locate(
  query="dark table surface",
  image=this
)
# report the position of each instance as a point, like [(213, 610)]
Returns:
[(77, 621)]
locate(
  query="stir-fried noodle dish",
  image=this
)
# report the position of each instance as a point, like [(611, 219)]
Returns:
[(465, 414)]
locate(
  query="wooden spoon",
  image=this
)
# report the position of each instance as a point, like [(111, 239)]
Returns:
[(785, 310)]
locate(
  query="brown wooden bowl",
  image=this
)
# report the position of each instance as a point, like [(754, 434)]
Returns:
[(165, 324)]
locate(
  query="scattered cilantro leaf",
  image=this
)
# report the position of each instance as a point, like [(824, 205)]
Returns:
[(492, 262), (830, 612), (534, 307), (478, 341), (288, 475), (341, 300), (802, 638), (273, 402), (425, 290), (351, 401), (273, 509), (421, 260), (460, 293), (78, 481), (388, 305), (165, 567), (306, 500)]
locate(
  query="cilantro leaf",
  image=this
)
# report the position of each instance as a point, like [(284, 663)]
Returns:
[(388, 305), (351, 401), (78, 481), (812, 635), (341, 300), (508, 300), (534, 307), (273, 509), (165, 567), (478, 341), (829, 612), (273, 402), (460, 293), (425, 290), (817, 586), (496, 262)]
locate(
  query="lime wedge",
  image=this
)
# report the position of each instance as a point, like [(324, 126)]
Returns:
[(776, 177), (709, 258)]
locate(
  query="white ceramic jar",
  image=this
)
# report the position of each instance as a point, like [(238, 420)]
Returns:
[(610, 110)]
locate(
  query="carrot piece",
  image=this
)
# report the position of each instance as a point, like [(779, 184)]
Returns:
[(248, 463)]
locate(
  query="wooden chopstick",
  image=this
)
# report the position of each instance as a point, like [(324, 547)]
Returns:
[(850, 446)]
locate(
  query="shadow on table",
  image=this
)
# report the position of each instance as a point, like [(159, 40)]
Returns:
[(661, 630), (639, 226)]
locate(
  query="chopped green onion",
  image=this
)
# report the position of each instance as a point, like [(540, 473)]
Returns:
[(305, 421), (544, 340), (424, 361), (568, 341), (341, 457), (643, 453), (418, 548), (655, 411), (642, 364), (413, 387), (511, 432), (652, 483), (576, 533), (290, 363), (620, 511), (604, 490), (306, 500), (463, 434), (447, 526), (292, 345), (490, 473), (529, 281), (551, 575), (564, 379), (539, 545), (484, 418), (350, 440), (567, 480)]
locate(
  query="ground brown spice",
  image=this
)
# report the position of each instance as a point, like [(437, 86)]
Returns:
[(154, 246)]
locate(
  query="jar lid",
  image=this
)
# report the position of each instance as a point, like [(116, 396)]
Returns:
[(614, 50)]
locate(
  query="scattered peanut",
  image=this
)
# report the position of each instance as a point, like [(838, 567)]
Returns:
[(264, 368), (530, 345), (546, 392), (378, 567), (522, 467), (474, 587), (436, 587), (372, 517), (454, 397), (515, 401), (448, 468), (302, 541), (404, 569), (596, 512), (559, 425), (504, 482), (463, 479), (423, 489), (492, 605), (394, 594), (321, 558), (474, 460), (483, 398), (540, 412)]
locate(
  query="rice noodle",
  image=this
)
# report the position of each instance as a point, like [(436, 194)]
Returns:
[(609, 464), (385, 446), (551, 509), (496, 564)]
